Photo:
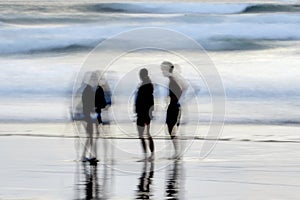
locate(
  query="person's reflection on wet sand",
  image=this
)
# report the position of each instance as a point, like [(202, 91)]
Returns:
[(145, 181), (175, 181), (91, 181), (96, 183)]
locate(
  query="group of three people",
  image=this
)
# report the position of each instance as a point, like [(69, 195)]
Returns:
[(144, 106)]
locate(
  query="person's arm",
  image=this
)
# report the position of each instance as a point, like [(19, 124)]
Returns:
[(151, 101), (136, 101)]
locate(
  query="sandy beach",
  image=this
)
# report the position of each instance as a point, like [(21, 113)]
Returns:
[(42, 167)]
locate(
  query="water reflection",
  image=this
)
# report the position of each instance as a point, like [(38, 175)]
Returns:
[(91, 181), (94, 182), (174, 188), (145, 181), (97, 182)]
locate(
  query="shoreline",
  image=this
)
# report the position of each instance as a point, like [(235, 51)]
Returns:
[(155, 138), (251, 133)]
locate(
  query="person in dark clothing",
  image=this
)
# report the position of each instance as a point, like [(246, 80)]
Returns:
[(174, 108), (100, 102), (88, 107), (105, 116), (144, 107), (92, 101)]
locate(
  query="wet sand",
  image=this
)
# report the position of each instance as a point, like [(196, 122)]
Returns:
[(35, 167)]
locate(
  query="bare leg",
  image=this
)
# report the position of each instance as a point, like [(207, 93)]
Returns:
[(142, 138), (99, 128), (151, 143), (87, 146), (172, 133), (89, 129), (84, 150), (95, 146), (91, 145), (105, 142)]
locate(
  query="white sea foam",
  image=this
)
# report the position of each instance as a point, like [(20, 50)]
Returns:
[(85, 36), (46, 51), (82, 26)]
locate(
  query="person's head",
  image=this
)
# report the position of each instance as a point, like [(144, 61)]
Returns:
[(100, 77), (144, 74), (167, 68), (93, 79)]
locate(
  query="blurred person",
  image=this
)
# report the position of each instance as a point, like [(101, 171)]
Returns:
[(104, 116), (92, 103), (144, 106), (176, 89)]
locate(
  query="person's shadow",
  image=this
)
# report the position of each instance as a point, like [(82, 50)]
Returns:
[(145, 181), (175, 181)]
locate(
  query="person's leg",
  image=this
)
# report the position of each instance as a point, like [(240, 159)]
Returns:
[(93, 145), (141, 130), (170, 130), (90, 144), (87, 146), (99, 118), (179, 150), (172, 135), (171, 121), (83, 157), (98, 123), (95, 140), (151, 143), (172, 113)]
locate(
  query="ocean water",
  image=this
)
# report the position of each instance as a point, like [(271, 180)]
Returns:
[(254, 46)]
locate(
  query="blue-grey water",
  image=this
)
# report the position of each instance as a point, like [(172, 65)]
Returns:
[(254, 46)]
